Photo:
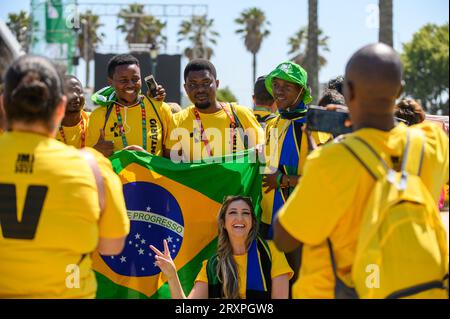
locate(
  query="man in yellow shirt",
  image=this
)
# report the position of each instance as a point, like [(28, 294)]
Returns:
[(51, 214), (126, 119), (286, 145), (331, 196), (209, 128), (264, 105), (73, 128)]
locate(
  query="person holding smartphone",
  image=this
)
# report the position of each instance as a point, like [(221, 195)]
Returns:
[(127, 119)]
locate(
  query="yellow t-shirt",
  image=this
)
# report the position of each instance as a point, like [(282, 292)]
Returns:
[(57, 187), (273, 151), (280, 267), (157, 127), (73, 134), (185, 134), (261, 115), (331, 197)]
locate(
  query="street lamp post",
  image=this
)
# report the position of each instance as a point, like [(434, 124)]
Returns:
[(154, 56)]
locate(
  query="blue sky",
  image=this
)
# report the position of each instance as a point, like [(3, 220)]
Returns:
[(348, 23)]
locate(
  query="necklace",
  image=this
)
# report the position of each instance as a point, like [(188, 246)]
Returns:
[(202, 130), (83, 133), (144, 126)]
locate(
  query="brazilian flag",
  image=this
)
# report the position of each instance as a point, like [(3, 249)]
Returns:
[(176, 202)]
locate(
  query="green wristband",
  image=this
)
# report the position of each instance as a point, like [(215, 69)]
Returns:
[(279, 177)]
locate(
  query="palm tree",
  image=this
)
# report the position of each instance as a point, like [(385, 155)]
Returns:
[(312, 51), (20, 25), (386, 22), (89, 34), (198, 31), (142, 28), (299, 42), (254, 30)]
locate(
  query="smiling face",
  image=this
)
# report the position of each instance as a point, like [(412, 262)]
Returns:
[(126, 81), (75, 96), (286, 94), (238, 219), (201, 87)]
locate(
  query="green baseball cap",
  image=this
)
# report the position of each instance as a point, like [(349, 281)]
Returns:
[(290, 72)]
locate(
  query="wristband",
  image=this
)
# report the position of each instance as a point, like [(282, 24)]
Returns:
[(279, 177)]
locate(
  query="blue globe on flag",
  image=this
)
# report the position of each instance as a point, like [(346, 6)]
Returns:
[(154, 215)]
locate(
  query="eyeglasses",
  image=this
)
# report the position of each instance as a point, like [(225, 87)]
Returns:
[(196, 86)]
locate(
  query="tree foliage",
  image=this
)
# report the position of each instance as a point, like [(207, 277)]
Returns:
[(20, 24), (426, 73), (225, 95), (299, 42), (254, 28), (198, 31), (141, 27)]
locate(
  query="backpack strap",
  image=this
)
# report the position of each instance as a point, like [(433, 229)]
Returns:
[(341, 290), (415, 144), (108, 113), (98, 178), (156, 112), (244, 138), (367, 156)]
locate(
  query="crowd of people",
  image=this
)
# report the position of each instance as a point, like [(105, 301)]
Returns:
[(325, 199)]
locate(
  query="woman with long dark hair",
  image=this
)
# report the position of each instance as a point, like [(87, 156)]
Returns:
[(51, 214), (244, 267)]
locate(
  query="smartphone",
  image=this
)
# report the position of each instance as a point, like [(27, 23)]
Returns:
[(334, 122), (152, 85)]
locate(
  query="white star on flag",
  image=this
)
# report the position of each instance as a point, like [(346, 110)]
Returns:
[(173, 250), (169, 239), (143, 241), (154, 264), (142, 268), (123, 259), (148, 208), (141, 251), (130, 242), (178, 239), (150, 254), (136, 245), (174, 246), (149, 226), (112, 257), (137, 236)]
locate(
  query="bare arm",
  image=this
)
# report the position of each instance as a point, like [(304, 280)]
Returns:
[(280, 287), (284, 241), (165, 262), (110, 246)]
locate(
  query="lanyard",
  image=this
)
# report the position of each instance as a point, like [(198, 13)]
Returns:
[(144, 126), (202, 130), (83, 133)]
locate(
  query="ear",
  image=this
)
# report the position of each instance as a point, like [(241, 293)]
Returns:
[(109, 81), (60, 109), (350, 91), (254, 99), (217, 83)]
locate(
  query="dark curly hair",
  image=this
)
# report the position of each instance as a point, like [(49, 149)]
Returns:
[(410, 111)]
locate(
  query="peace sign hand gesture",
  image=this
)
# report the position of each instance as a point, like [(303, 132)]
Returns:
[(164, 261)]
